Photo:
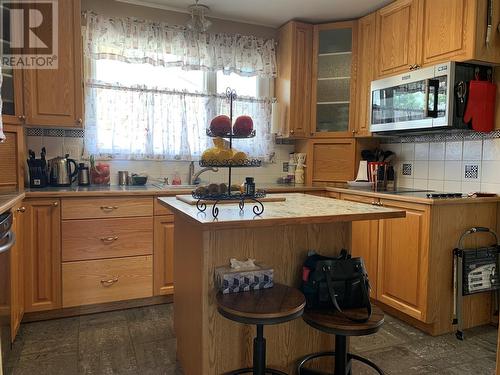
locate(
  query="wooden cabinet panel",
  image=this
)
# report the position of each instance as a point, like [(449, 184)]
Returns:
[(106, 238), (163, 260), (397, 37), (160, 209), (364, 241), (96, 208), (17, 271), (107, 280), (42, 254), (443, 40), (331, 160), (55, 96), (293, 84), (365, 73), (12, 164), (403, 260)]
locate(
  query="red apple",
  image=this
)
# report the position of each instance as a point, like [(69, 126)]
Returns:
[(220, 125), (243, 126)]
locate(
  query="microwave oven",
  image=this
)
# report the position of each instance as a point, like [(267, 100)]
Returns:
[(426, 99)]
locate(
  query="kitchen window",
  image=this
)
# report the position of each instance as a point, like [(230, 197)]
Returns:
[(155, 102)]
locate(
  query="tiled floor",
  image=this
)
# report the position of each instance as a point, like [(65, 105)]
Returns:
[(141, 341)]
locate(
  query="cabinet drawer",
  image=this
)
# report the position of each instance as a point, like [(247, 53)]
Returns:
[(359, 198), (95, 208), (106, 238), (108, 280)]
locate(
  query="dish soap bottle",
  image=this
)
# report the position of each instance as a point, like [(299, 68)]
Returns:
[(176, 180)]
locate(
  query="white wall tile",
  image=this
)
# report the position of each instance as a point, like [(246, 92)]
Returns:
[(422, 151), (453, 170), (394, 147), (472, 150), (406, 182), (419, 183), (491, 149), (452, 186), (453, 151), (436, 151), (53, 145), (35, 144), (471, 187), (490, 188), (421, 169), (407, 151), (437, 185), (490, 172), (436, 170)]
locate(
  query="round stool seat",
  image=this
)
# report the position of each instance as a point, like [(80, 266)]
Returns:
[(337, 324), (275, 305)]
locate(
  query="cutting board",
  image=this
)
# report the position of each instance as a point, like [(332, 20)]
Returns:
[(190, 200)]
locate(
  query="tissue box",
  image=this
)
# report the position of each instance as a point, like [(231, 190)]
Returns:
[(230, 280)]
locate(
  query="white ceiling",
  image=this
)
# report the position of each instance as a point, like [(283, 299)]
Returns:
[(274, 13)]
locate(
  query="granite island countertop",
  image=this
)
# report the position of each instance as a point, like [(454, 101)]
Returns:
[(296, 209), (9, 200)]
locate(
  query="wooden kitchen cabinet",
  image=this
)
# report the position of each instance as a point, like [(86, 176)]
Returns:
[(17, 270), (330, 160), (42, 246), (54, 97), (463, 36), (12, 159), (398, 38), (365, 74), (333, 79), (403, 251), (364, 241), (163, 258), (293, 84)]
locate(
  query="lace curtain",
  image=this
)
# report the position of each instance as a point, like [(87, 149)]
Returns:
[(127, 120), (141, 41)]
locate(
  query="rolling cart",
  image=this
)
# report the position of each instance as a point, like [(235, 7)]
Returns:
[(474, 271)]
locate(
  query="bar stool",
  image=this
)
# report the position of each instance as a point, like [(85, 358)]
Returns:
[(342, 327), (275, 305)]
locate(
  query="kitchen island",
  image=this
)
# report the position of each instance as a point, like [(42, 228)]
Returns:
[(209, 344)]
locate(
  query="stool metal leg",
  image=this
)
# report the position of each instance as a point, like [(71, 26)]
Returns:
[(341, 360), (366, 362), (259, 352)]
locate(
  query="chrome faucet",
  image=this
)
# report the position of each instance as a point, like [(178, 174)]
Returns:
[(194, 178)]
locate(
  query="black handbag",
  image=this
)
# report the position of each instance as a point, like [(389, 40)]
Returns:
[(336, 284)]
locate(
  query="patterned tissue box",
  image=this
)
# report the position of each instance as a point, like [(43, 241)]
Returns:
[(230, 280)]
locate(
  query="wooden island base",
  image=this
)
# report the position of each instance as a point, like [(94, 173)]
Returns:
[(209, 344)]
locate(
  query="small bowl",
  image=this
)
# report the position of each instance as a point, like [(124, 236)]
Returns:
[(139, 180)]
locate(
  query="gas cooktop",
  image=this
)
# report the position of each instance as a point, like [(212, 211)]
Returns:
[(438, 195)]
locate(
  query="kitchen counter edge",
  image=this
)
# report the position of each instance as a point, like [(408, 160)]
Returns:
[(9, 200)]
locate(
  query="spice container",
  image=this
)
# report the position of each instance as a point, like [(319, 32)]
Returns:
[(249, 186)]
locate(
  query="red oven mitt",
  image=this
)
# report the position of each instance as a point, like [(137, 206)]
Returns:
[(481, 105)]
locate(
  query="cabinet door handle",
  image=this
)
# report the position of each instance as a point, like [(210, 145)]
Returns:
[(411, 67), (109, 208), (374, 203), (21, 209), (79, 121), (109, 282), (22, 118), (109, 239), (292, 131), (55, 204), (380, 204)]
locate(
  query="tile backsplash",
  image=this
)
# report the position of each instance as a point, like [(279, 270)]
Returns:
[(456, 166), (72, 144)]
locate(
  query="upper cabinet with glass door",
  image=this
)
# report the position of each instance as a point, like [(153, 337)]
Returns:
[(12, 97), (333, 74)]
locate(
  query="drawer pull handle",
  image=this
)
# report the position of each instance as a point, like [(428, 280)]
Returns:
[(109, 239), (110, 282), (109, 208)]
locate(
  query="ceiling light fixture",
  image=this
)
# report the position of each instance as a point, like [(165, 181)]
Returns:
[(198, 22)]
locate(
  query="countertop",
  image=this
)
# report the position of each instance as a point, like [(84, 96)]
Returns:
[(296, 209), (113, 190), (412, 196), (7, 201)]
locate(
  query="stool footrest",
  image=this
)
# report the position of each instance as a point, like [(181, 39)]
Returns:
[(302, 371), (249, 370)]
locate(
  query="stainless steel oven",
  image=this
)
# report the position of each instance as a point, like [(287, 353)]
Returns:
[(7, 240), (423, 99)]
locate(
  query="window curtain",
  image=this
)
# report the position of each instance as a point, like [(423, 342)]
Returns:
[(2, 135), (157, 123)]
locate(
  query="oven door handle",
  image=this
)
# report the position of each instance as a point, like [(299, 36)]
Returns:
[(434, 83), (9, 244)]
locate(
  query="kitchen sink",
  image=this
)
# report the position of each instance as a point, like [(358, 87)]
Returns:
[(163, 186)]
